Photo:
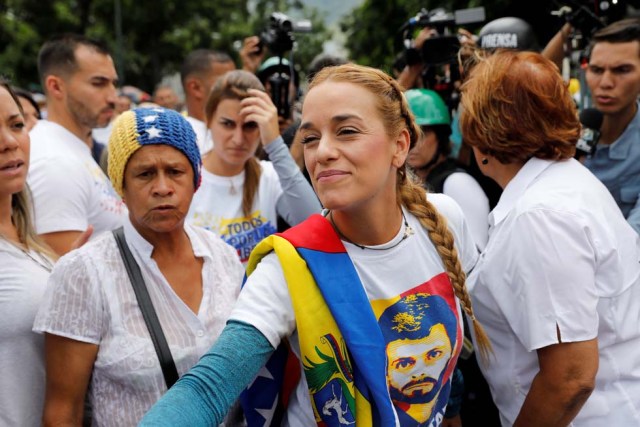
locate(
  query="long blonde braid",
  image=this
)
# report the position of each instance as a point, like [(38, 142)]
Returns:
[(412, 195), (397, 117)]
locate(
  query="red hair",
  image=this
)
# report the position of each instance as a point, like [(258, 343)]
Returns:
[(516, 106)]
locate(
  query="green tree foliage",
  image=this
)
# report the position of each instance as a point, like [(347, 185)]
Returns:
[(155, 35)]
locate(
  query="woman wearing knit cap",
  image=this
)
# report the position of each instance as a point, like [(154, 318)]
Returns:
[(95, 334), (241, 196)]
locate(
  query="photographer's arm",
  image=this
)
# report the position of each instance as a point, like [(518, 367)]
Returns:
[(554, 50), (409, 76)]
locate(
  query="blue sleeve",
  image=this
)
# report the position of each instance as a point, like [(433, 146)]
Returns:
[(203, 395), (298, 200), (634, 216)]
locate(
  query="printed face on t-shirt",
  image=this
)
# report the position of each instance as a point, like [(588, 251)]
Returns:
[(416, 366)]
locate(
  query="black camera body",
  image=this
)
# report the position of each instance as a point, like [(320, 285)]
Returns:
[(278, 36), (441, 49)]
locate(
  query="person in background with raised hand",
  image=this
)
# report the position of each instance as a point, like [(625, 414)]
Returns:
[(241, 196)]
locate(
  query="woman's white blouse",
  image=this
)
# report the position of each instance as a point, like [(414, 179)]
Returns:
[(90, 299), (561, 261)]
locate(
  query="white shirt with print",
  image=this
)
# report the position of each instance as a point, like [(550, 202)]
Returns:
[(217, 206), (385, 274)]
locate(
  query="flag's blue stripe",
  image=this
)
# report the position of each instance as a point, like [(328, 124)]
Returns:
[(342, 290)]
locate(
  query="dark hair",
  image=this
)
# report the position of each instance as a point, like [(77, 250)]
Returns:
[(442, 133), (323, 60), (516, 106), (413, 316), (58, 54), (199, 62), (21, 93), (626, 30)]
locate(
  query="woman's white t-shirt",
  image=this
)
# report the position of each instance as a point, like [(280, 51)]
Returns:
[(411, 267), (23, 282), (217, 206)]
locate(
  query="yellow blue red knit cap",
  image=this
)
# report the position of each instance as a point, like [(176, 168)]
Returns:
[(134, 129)]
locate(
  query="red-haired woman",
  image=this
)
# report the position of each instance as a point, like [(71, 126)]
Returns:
[(558, 284)]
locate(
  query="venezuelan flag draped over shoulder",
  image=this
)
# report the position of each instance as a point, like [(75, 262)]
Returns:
[(341, 346)]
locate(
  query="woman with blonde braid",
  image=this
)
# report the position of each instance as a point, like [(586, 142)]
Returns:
[(369, 295)]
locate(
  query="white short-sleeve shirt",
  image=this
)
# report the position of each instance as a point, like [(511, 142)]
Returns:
[(23, 280), (466, 191), (203, 134), (90, 299), (70, 191), (560, 257), (404, 269)]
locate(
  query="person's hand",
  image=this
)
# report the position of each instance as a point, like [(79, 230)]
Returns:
[(259, 108), (82, 238), (251, 54), (466, 38), (424, 34)]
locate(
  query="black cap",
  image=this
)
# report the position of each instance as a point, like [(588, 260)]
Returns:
[(508, 33)]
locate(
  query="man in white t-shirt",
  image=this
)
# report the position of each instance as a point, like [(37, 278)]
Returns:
[(200, 71), (70, 191)]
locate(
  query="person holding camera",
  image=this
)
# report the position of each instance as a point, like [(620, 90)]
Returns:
[(558, 285)]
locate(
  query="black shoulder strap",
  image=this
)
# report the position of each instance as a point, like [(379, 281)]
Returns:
[(148, 313)]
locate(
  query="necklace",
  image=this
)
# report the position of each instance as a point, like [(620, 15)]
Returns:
[(407, 231), (41, 260), (232, 189)]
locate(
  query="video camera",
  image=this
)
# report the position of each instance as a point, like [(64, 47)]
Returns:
[(440, 49), (579, 16), (278, 36)]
